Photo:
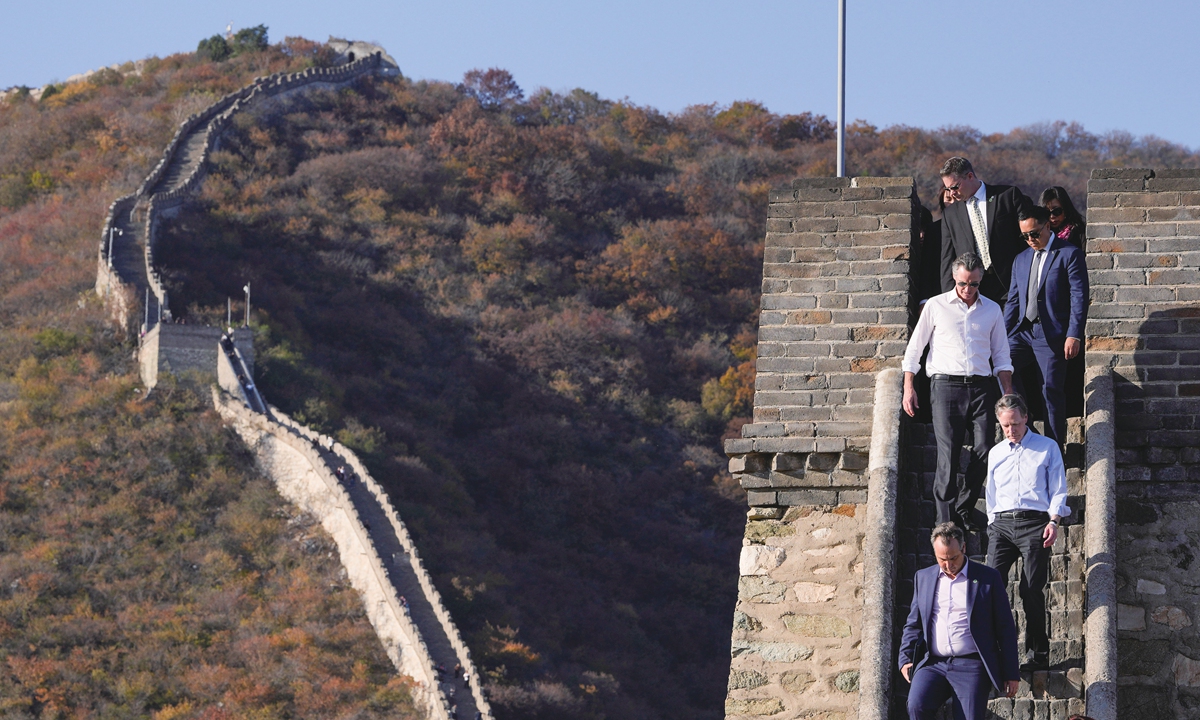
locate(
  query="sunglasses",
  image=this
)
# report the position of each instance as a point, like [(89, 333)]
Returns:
[(1032, 235), (965, 284), (954, 187), (1055, 212)]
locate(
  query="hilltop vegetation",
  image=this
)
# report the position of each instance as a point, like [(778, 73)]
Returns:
[(146, 569), (534, 317)]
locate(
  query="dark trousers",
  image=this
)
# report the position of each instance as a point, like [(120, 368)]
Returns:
[(1012, 537), (1028, 346), (959, 407), (965, 679)]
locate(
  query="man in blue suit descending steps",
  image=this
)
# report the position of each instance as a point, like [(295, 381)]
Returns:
[(1046, 312), (960, 639)]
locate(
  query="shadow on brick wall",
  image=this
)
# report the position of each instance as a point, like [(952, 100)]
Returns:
[(1157, 416)]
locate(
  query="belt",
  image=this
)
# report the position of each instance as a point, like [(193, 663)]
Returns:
[(1024, 514), (961, 378), (968, 656)]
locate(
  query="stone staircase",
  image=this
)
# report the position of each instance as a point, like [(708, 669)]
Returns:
[(1050, 695)]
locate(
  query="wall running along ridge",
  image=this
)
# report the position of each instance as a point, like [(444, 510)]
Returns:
[(284, 450)]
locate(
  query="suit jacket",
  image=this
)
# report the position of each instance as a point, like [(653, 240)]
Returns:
[(1062, 293), (992, 625), (931, 262), (1004, 232)]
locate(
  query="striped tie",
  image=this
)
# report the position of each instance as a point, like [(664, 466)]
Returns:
[(980, 229)]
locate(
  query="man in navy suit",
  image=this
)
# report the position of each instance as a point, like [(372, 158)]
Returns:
[(981, 220), (1046, 312), (960, 639)]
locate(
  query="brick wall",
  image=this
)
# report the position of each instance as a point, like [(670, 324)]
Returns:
[(835, 310), (1144, 266)]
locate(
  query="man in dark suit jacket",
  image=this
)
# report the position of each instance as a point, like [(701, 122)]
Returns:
[(1045, 321), (960, 639), (982, 220)]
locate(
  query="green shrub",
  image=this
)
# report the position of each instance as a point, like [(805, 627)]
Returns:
[(214, 48)]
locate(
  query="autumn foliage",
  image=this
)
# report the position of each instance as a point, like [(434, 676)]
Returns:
[(533, 315)]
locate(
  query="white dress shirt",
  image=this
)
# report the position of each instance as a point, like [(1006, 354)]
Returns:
[(950, 623), (1040, 266), (1028, 475), (981, 197), (962, 339)]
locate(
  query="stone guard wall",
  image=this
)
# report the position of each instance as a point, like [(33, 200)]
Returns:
[(1144, 262), (303, 478), (835, 311)]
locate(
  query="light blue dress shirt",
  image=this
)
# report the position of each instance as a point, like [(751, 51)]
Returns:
[(1028, 475)]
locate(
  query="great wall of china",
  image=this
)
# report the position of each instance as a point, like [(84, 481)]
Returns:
[(838, 482), (380, 558)]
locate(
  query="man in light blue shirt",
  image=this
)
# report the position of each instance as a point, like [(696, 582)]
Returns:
[(1026, 499)]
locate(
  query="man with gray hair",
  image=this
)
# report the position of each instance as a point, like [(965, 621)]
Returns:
[(968, 352), (1026, 500), (959, 634)]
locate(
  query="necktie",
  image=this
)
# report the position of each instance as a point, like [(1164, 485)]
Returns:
[(1031, 296), (980, 230)]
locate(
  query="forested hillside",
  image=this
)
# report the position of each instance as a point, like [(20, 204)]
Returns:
[(533, 316), (146, 569)]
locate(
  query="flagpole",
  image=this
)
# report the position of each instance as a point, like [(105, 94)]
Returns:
[(841, 90)]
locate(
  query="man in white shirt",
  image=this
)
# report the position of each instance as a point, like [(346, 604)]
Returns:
[(1026, 499), (968, 350)]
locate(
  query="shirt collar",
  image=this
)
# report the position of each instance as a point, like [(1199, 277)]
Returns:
[(981, 194)]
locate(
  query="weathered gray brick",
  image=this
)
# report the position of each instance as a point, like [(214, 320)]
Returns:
[(1146, 230), (1145, 199), (1115, 185), (821, 195), (1117, 277), (862, 193), (788, 302), (794, 498), (1115, 215), (857, 224)]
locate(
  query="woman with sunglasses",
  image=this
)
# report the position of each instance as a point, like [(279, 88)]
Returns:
[(1068, 226), (1065, 221)]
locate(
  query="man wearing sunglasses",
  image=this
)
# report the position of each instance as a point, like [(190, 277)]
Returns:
[(968, 351), (981, 220), (1046, 311)]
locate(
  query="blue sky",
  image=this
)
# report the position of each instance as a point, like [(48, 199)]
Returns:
[(1110, 65)]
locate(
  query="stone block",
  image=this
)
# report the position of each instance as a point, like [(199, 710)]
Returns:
[(760, 530), (761, 590), (764, 498), (1144, 702), (795, 681), (1142, 657), (1174, 617), (734, 446), (753, 481), (1121, 174), (814, 592), (746, 680), (847, 681), (771, 651), (817, 626), (753, 706), (760, 559), (746, 623), (824, 182), (793, 498), (1115, 185), (748, 462), (862, 193), (764, 513), (1160, 184)]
